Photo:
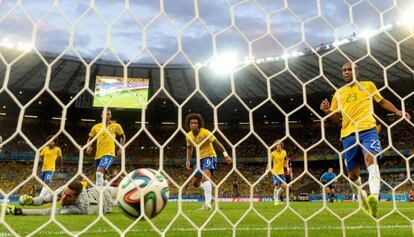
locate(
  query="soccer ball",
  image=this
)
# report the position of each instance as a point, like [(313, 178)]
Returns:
[(145, 183)]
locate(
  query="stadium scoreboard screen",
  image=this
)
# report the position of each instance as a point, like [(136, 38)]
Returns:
[(115, 92)]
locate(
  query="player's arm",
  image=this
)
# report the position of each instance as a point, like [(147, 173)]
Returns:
[(1, 141), (289, 166), (41, 155), (92, 135), (89, 149), (223, 151), (285, 164), (122, 140), (290, 170), (13, 210), (327, 108), (271, 161), (60, 157), (38, 201), (189, 154), (386, 104)]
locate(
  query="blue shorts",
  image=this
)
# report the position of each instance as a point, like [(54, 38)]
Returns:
[(47, 176), (355, 156), (330, 186), (105, 162), (208, 163), (278, 181)]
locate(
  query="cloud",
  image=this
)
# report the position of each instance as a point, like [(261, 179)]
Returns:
[(144, 10), (90, 33), (180, 11), (16, 20), (216, 14), (73, 9)]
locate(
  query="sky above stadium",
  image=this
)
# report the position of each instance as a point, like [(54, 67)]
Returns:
[(270, 27)]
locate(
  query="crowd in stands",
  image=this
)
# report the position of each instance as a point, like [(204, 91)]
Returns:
[(231, 183), (13, 173), (143, 146)]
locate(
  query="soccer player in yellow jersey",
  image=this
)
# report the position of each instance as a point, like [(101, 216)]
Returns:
[(48, 157), (353, 103), (208, 157), (278, 160), (105, 145)]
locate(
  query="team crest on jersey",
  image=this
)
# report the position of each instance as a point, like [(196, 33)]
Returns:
[(200, 139)]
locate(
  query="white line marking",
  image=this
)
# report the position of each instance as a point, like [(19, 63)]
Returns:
[(106, 230)]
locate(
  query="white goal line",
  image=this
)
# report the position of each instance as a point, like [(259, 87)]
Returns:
[(327, 227)]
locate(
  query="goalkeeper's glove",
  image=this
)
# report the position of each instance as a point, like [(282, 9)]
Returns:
[(13, 210)]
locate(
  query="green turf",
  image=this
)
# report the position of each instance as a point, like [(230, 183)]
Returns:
[(132, 99), (250, 223)]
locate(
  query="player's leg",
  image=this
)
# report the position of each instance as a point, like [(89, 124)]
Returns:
[(331, 193), (47, 179), (372, 146), (327, 190), (102, 165), (208, 166), (207, 188), (109, 199), (198, 182), (288, 180), (354, 176), (197, 177), (280, 187), (352, 159), (283, 187), (276, 184), (28, 200), (374, 183)]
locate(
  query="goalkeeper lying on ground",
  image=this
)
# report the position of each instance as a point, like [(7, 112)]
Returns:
[(73, 199)]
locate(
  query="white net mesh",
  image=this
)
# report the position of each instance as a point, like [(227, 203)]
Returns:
[(256, 70)]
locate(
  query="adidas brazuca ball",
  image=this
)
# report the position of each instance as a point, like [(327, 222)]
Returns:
[(146, 184)]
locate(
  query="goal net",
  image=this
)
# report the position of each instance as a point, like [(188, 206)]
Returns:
[(259, 72)]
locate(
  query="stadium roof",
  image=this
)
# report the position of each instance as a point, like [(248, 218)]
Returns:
[(68, 73)]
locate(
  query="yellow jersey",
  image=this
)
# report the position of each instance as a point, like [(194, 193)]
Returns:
[(49, 157), (206, 149), (355, 105), (105, 144), (278, 159)]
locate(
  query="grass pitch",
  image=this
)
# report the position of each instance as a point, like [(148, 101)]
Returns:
[(133, 99), (249, 223)]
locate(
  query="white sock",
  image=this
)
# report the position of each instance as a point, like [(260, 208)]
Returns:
[(43, 192), (358, 182), (279, 191), (99, 179), (374, 181), (206, 186), (274, 193)]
